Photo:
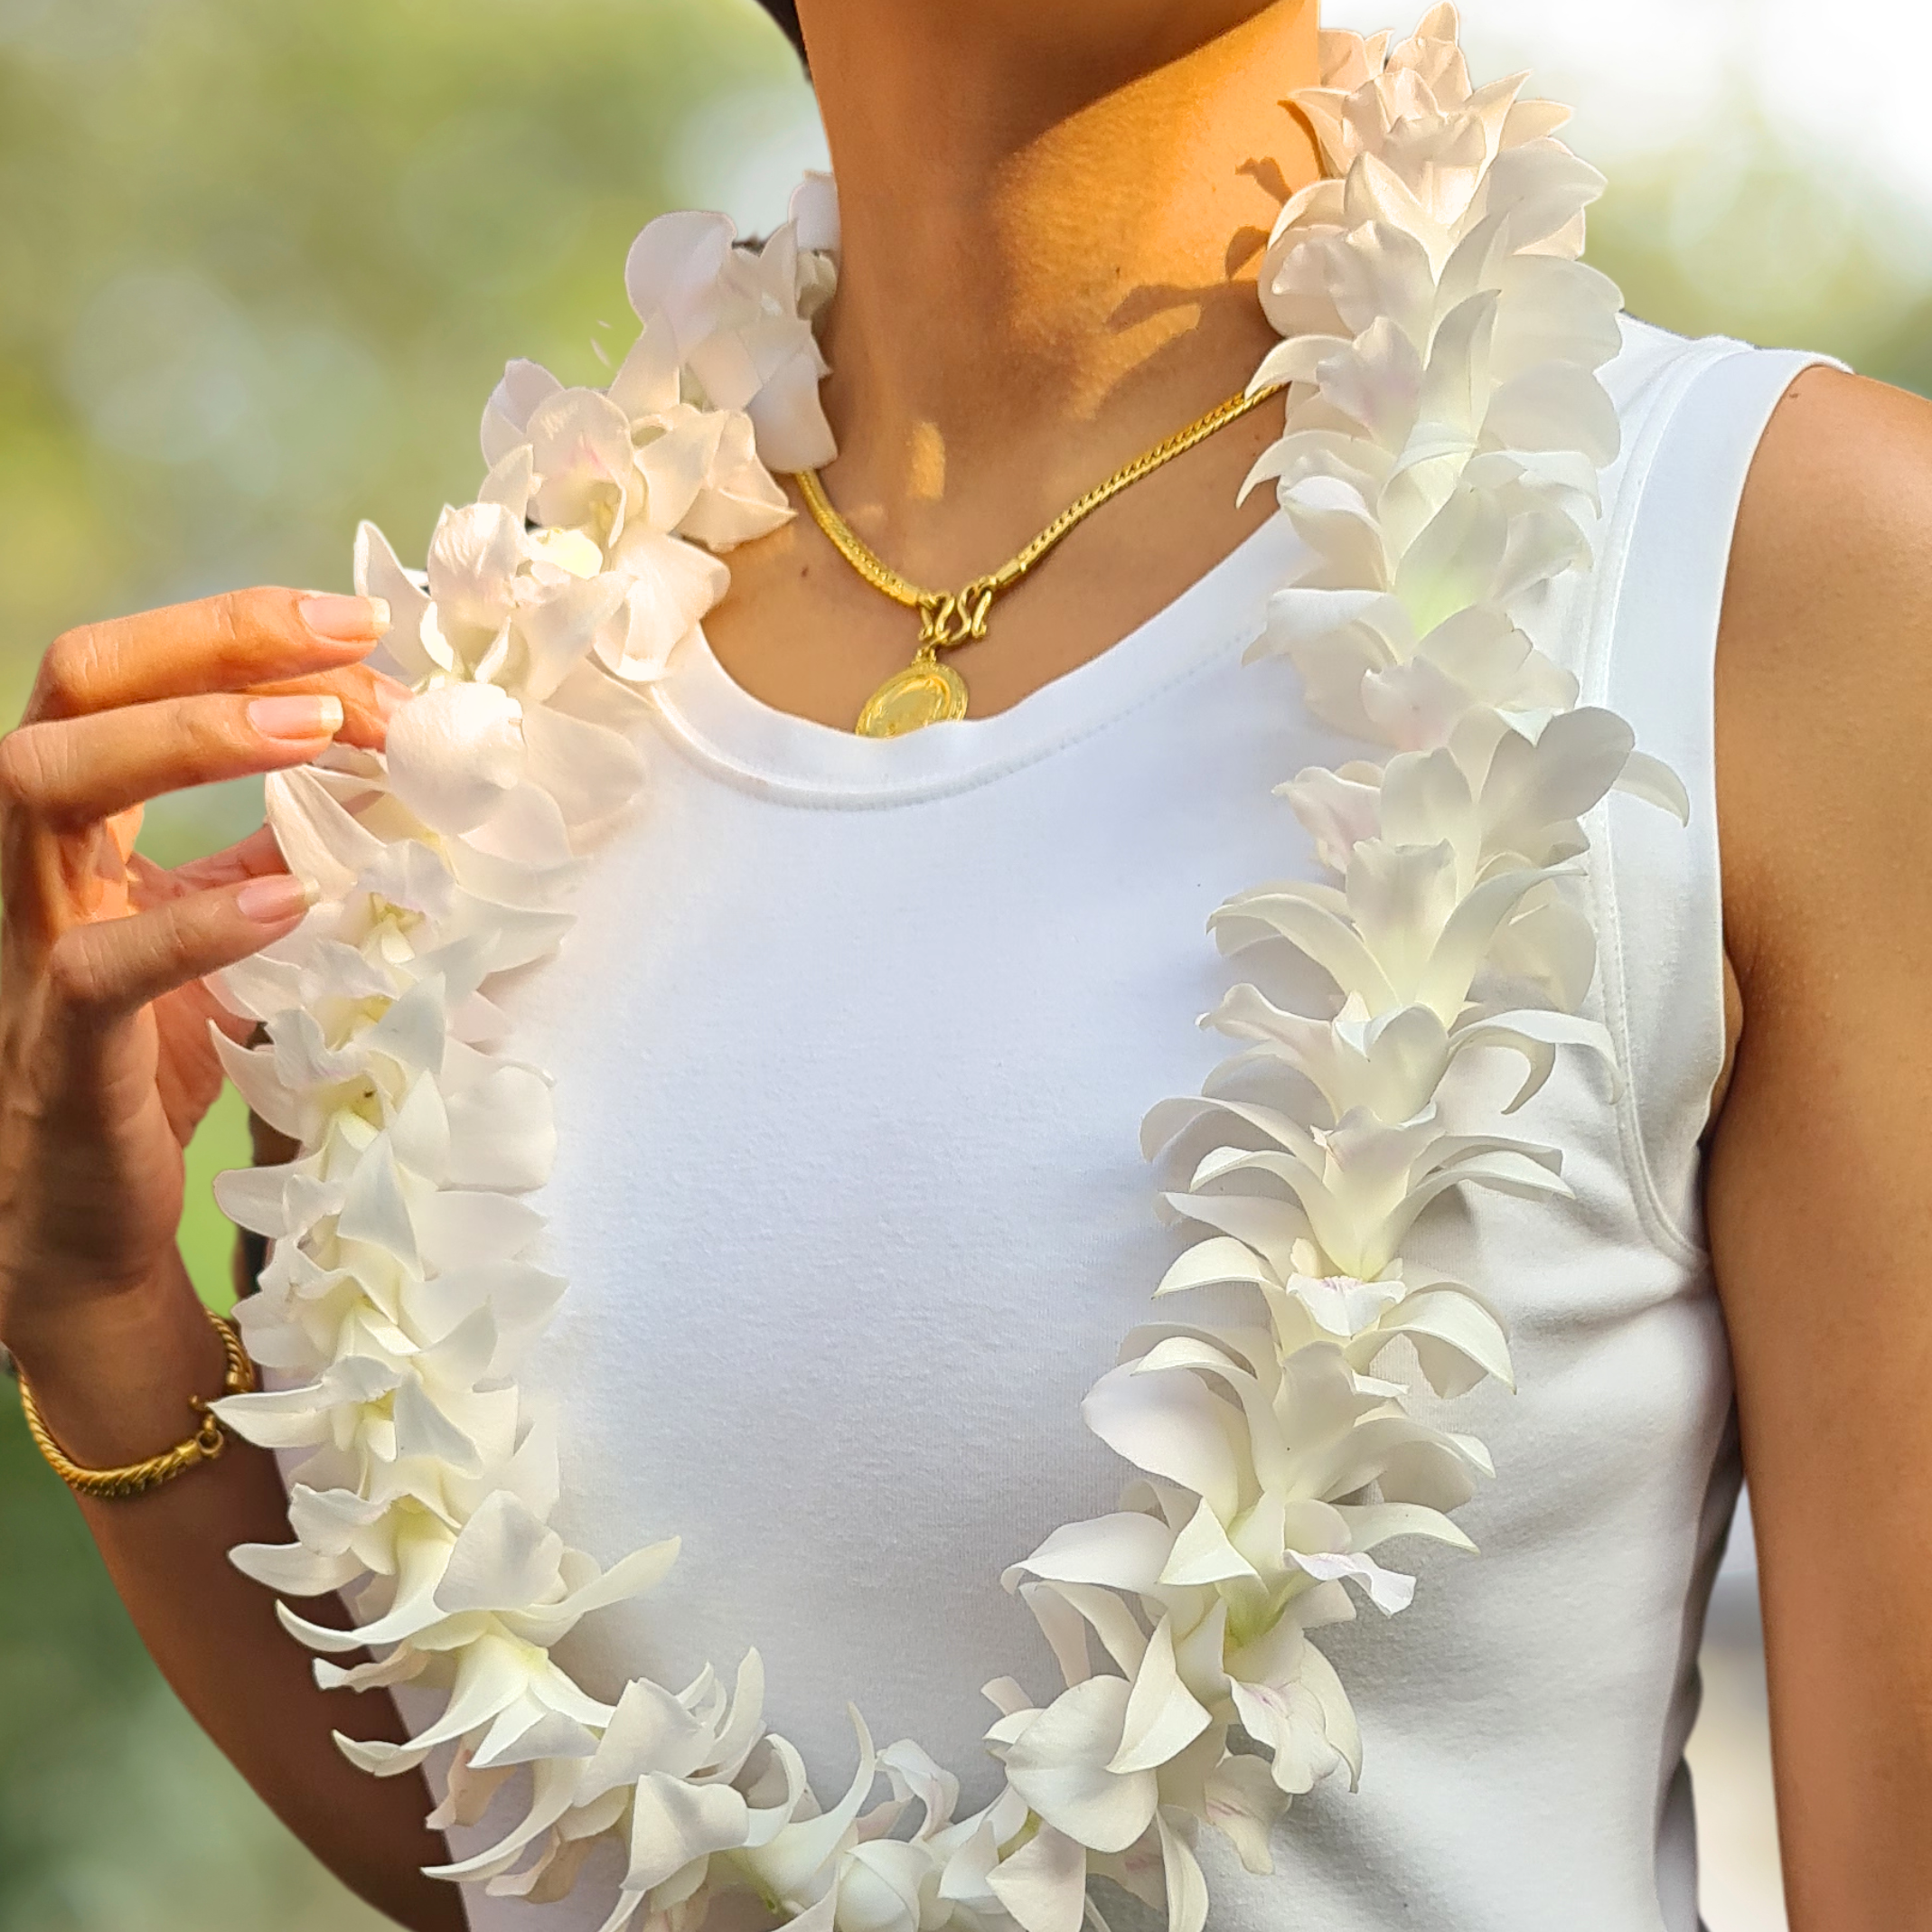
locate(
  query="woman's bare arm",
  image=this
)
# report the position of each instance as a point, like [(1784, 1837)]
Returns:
[(1820, 1180), (105, 1068), (111, 1390)]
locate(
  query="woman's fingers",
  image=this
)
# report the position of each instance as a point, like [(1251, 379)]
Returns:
[(75, 771), (111, 967), (246, 859), (368, 701), (246, 637)]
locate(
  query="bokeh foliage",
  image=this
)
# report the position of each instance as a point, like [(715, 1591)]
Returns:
[(261, 261)]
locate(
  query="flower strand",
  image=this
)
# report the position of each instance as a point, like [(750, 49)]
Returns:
[(1444, 435)]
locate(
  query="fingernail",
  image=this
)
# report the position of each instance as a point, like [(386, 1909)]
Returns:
[(346, 620), (273, 899), (302, 717), (391, 698)]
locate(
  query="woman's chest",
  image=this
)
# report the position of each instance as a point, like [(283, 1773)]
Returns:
[(849, 1189), (849, 1196), (786, 1021)]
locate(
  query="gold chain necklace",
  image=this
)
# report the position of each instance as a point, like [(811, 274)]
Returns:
[(929, 691)]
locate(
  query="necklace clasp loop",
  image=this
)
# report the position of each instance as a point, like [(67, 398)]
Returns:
[(948, 618)]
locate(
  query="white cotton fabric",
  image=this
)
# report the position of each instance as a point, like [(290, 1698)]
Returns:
[(851, 1042)]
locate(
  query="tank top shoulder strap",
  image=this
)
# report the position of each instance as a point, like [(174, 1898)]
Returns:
[(1693, 414)]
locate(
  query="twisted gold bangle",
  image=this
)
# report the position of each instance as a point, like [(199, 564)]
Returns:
[(204, 1445)]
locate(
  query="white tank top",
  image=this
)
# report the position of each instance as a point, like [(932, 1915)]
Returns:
[(852, 1041)]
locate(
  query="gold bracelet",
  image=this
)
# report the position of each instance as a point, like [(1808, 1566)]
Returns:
[(204, 1445)]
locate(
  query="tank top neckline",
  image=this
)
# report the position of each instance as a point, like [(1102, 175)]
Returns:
[(716, 721)]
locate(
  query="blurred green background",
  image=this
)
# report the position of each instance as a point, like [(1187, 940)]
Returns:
[(260, 262)]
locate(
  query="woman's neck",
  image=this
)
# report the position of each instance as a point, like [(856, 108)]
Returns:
[(1052, 216)]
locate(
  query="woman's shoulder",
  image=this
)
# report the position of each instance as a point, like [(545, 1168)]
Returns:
[(1839, 503), (1831, 551), (1825, 660), (1831, 571)]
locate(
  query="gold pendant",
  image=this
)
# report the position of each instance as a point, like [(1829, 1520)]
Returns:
[(928, 691)]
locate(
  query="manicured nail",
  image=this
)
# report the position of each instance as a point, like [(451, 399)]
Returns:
[(299, 717), (272, 900), (346, 620), (391, 698)]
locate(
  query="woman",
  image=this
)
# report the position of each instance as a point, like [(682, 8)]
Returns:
[(842, 1052)]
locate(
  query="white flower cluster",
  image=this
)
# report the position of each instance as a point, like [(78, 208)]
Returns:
[(1444, 438)]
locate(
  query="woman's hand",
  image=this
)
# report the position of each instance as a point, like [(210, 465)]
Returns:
[(105, 1066)]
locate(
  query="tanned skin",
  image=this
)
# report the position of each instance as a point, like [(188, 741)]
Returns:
[(1052, 217), (105, 1069), (1819, 1191)]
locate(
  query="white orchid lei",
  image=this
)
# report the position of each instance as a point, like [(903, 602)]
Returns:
[(1444, 436)]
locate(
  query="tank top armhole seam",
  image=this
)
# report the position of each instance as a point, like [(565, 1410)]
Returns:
[(1651, 432)]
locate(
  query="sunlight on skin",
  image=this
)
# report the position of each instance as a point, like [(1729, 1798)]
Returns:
[(1640, 86), (926, 463), (1636, 91)]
